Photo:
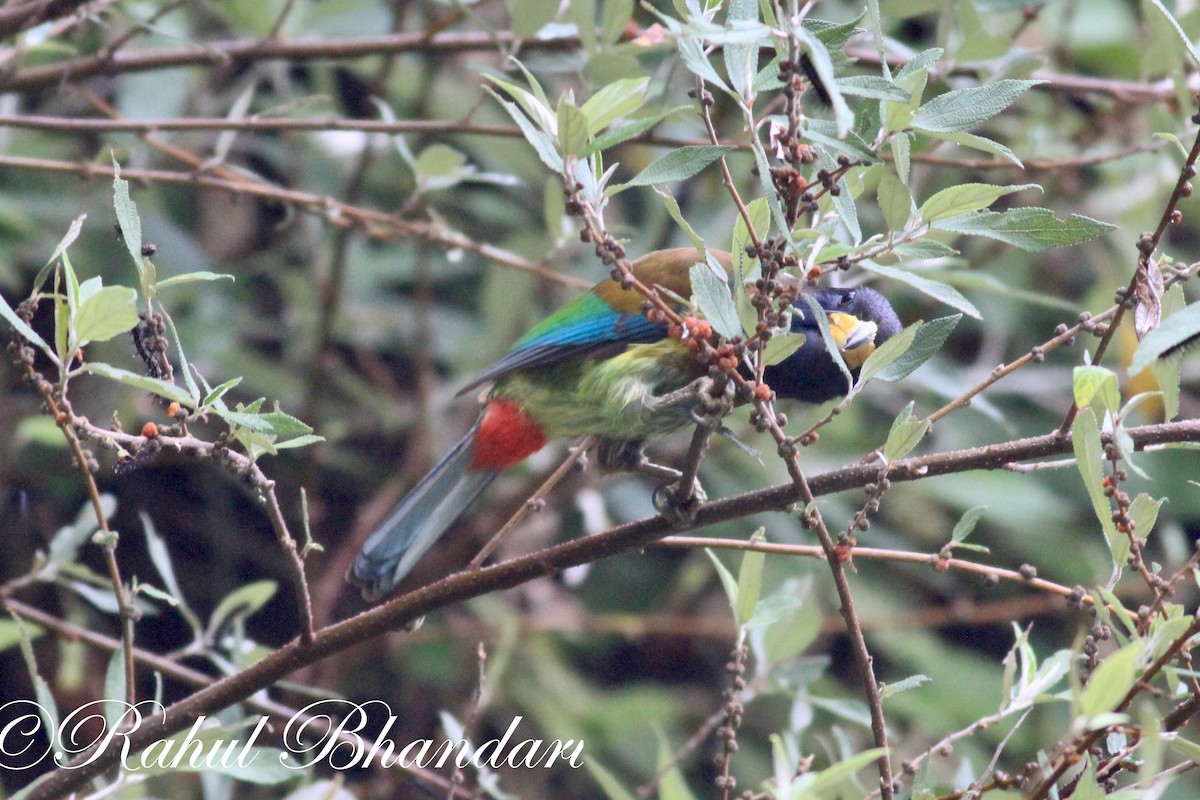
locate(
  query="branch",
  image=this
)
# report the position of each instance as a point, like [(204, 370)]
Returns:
[(407, 608)]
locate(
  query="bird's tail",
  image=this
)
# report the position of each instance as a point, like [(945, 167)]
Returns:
[(420, 520)]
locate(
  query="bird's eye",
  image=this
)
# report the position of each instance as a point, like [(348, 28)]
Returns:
[(847, 299)]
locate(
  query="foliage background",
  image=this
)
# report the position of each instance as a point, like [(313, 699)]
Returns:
[(366, 333)]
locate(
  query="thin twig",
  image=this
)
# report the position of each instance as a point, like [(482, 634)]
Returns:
[(1146, 245), (534, 502)]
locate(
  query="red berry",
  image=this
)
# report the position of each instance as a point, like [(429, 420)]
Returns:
[(762, 392), (149, 430)]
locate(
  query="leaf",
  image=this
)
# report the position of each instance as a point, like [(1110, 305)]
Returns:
[(194, 277), (843, 201), (626, 131), (927, 342), (608, 782), (875, 87), (1093, 382), (935, 289), (572, 128), (964, 108), (966, 524), (244, 601), (168, 391), (906, 433), (109, 312), (1143, 512), (711, 296), (617, 99), (1111, 680), (1032, 229), (691, 52), (976, 142), (678, 165), (911, 682), (727, 582), (750, 580), (614, 16), (1174, 23), (966, 197), (439, 166), (780, 347), (887, 353), (741, 60), (901, 156), (1173, 333), (1085, 440), (895, 201), (543, 145), (127, 217), (831, 347)]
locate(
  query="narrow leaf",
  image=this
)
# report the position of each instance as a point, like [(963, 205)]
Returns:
[(678, 165), (966, 197)]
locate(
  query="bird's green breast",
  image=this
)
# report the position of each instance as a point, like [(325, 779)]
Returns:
[(607, 397)]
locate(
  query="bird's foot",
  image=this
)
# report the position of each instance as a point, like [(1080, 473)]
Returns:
[(678, 507), (708, 400)]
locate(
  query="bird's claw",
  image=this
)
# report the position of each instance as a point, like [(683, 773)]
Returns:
[(679, 510), (714, 400)]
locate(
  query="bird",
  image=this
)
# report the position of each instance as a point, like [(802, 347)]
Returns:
[(600, 366)]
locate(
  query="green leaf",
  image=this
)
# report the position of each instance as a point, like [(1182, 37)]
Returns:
[(439, 166), (527, 17), (911, 682), (168, 391), (843, 202), (895, 201), (194, 277), (1031, 229), (787, 638), (830, 777), (975, 142), (216, 394), (831, 347), (677, 165), (1174, 332), (1189, 48), (887, 353), (614, 16), (243, 601), (131, 228), (727, 581), (927, 342), (608, 782), (628, 130), (672, 206), (741, 60), (271, 423), (750, 580), (966, 197), (906, 433), (691, 52), (875, 87), (964, 108), (935, 289), (966, 524), (617, 99), (1085, 440), (1143, 512), (780, 347), (541, 141), (109, 312), (1110, 682), (901, 156), (573, 127), (1094, 382), (712, 298)]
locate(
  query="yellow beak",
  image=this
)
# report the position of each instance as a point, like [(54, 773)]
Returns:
[(855, 338)]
